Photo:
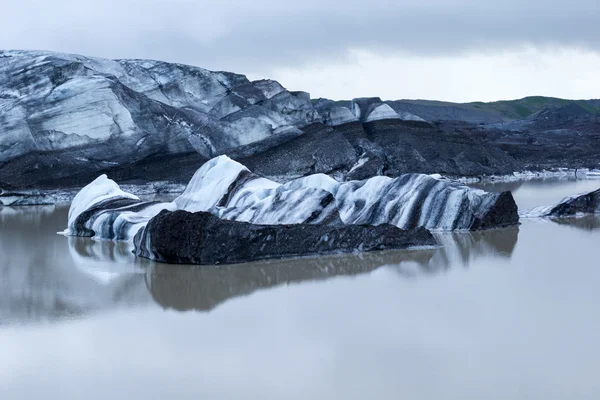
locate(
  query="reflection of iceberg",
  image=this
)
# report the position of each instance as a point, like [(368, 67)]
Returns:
[(102, 260), (101, 251), (587, 222), (41, 280), (464, 247), (47, 277), (203, 288)]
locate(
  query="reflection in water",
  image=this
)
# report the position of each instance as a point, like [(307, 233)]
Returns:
[(203, 288), (587, 222), (542, 191), (41, 280), (461, 248), (101, 251), (520, 322), (499, 186), (547, 192), (47, 276)]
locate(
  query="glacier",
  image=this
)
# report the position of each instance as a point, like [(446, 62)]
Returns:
[(65, 119), (53, 101)]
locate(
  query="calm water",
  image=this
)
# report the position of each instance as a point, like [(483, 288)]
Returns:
[(508, 314)]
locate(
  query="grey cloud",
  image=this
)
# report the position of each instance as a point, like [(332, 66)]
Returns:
[(254, 36)]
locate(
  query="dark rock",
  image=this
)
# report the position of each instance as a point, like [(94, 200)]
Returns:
[(417, 146), (503, 213), (320, 149), (574, 206), (367, 167), (568, 116), (588, 203), (201, 238)]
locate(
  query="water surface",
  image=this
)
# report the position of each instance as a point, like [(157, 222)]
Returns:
[(506, 314)]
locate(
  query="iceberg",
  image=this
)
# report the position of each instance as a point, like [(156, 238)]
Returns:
[(230, 191), (572, 206)]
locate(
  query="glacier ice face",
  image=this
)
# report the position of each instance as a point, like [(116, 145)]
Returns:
[(379, 112), (65, 119), (229, 190), (406, 116), (369, 109), (97, 110), (339, 116), (268, 87), (54, 101)]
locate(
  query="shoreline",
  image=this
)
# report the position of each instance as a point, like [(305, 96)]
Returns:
[(528, 175), (154, 190)]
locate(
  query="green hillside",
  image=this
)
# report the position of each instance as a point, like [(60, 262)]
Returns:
[(515, 109)]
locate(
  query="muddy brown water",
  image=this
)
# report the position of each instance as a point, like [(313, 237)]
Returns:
[(507, 314)]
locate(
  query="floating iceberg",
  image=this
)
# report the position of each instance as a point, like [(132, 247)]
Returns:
[(581, 204), (228, 190)]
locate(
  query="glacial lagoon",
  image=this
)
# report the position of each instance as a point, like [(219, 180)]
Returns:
[(503, 314)]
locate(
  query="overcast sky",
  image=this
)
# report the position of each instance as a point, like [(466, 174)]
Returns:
[(458, 50)]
